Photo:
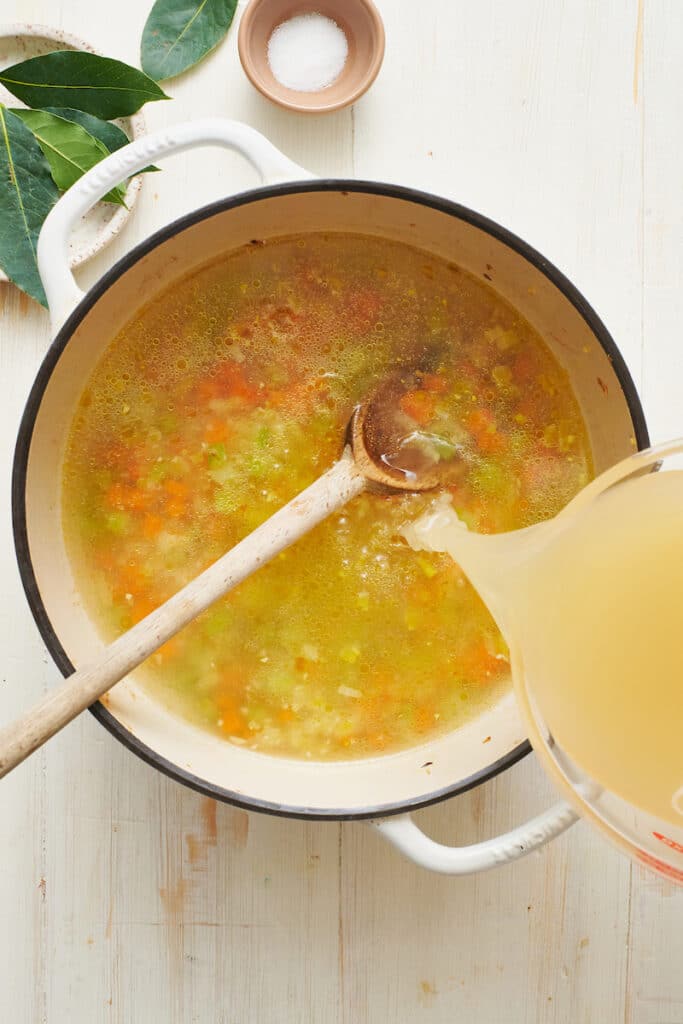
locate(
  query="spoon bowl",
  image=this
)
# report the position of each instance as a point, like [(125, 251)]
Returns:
[(390, 451)]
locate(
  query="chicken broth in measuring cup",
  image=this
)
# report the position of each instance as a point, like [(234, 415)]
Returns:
[(227, 395)]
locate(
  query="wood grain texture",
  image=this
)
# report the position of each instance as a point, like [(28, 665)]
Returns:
[(127, 898)]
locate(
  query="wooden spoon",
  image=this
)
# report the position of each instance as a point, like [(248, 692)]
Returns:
[(371, 458)]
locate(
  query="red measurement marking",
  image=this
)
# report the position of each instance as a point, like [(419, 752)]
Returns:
[(668, 842), (660, 866)]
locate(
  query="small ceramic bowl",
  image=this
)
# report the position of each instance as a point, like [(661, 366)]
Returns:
[(358, 19), (101, 224)]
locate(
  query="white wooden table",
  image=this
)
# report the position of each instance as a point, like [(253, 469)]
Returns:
[(563, 121)]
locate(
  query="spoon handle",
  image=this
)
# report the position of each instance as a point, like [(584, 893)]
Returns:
[(78, 691)]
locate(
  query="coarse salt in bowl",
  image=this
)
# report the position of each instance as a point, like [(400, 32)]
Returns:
[(311, 57), (308, 52)]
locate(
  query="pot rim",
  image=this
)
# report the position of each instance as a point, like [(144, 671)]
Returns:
[(58, 345)]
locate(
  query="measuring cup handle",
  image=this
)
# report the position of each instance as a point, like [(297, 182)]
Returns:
[(63, 294), (402, 832)]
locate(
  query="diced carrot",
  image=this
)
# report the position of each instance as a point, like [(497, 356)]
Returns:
[(208, 389), (176, 489), (177, 445), (216, 431), (424, 717), (283, 317), (482, 425), (277, 397), (105, 560), (491, 443), (480, 665), (420, 593), (365, 305), (142, 607), (233, 382), (130, 499), (139, 500), (419, 405), (169, 649), (300, 396), (132, 580), (382, 679), (529, 410), (115, 495), (524, 367), (151, 526), (231, 718), (176, 508), (233, 723), (479, 420)]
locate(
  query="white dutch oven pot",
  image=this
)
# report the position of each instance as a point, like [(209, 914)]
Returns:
[(383, 789)]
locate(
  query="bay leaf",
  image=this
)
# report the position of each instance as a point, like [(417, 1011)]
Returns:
[(179, 33), (69, 149), (27, 194), (110, 134), (74, 78)]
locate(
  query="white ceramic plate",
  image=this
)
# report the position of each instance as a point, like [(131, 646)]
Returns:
[(104, 221)]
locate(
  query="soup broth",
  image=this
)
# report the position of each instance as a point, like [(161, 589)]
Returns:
[(227, 395)]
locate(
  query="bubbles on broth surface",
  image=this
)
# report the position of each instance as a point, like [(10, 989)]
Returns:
[(223, 398)]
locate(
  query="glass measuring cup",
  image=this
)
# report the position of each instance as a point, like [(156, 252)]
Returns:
[(643, 820), (589, 603)]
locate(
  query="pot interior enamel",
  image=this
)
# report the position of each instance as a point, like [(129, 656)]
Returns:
[(571, 330)]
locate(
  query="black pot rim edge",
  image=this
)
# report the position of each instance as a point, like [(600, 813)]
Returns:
[(21, 455)]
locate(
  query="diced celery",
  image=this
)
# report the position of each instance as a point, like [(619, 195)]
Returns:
[(428, 568), (216, 455), (218, 621), (435, 446), (227, 474), (277, 375), (549, 439), (277, 684), (501, 338), (256, 466), (351, 365), (518, 443), (464, 515), (256, 716), (157, 473), (263, 437), (489, 477), (118, 522), (167, 423), (102, 478), (226, 500), (502, 376)]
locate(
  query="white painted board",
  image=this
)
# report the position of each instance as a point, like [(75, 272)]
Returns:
[(126, 898)]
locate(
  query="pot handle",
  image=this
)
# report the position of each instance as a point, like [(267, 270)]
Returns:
[(63, 294), (402, 832)]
